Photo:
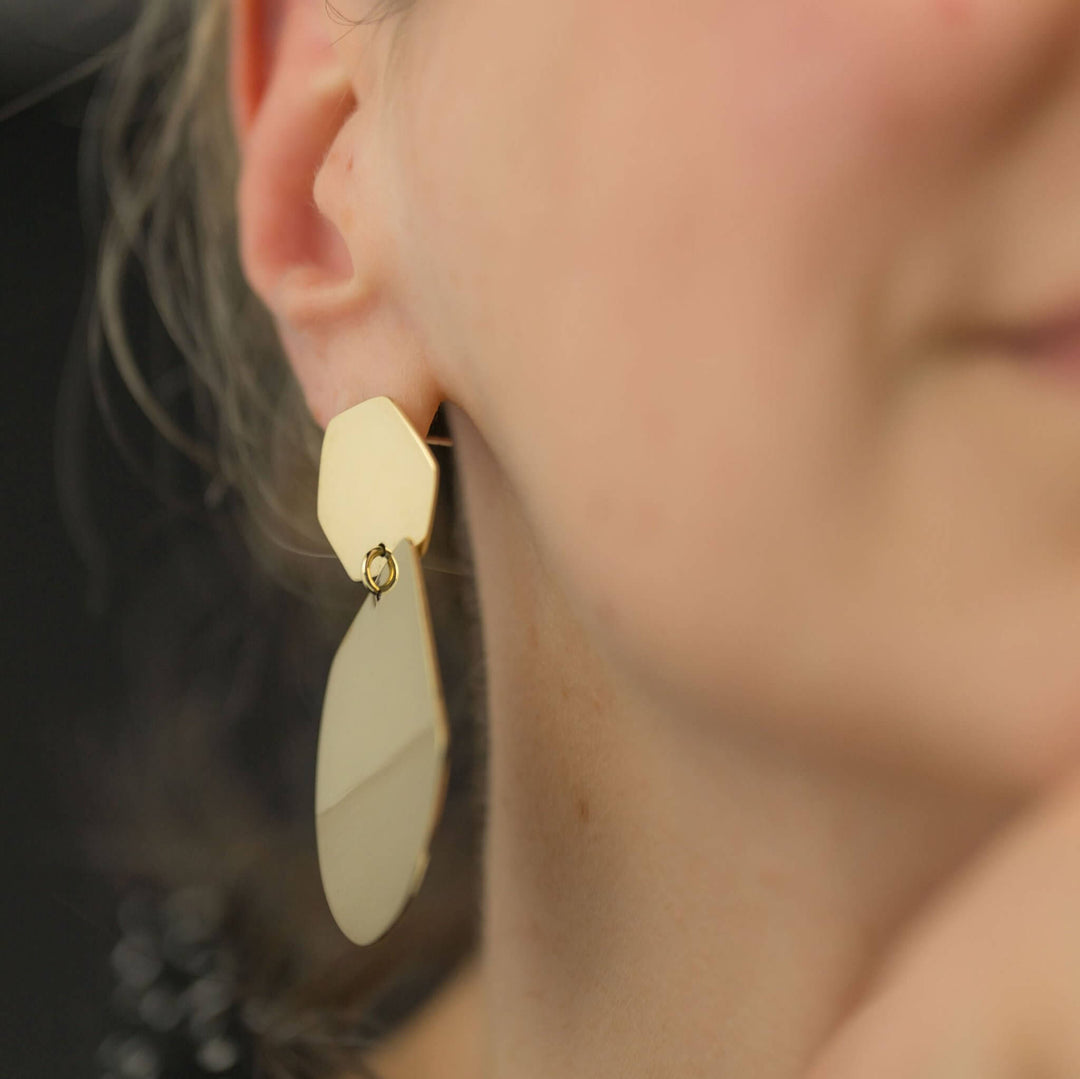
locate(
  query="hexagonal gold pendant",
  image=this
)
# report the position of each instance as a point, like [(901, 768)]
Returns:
[(377, 483), (382, 772)]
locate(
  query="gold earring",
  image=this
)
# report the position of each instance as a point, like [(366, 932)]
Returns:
[(381, 773)]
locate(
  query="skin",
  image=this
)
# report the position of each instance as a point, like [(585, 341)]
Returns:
[(777, 538)]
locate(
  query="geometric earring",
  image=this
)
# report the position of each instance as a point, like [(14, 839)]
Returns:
[(381, 772)]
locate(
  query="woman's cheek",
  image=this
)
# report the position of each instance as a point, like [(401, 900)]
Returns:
[(951, 72)]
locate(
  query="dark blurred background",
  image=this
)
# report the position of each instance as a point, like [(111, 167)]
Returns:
[(58, 664), (58, 669)]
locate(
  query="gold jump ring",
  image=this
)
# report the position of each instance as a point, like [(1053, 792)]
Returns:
[(372, 583)]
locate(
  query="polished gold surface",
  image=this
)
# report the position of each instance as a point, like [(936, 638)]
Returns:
[(377, 483), (382, 767)]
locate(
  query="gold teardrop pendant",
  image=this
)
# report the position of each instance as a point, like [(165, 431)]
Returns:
[(382, 770)]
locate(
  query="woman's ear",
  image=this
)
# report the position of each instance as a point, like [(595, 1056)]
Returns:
[(251, 45), (290, 98), (308, 221)]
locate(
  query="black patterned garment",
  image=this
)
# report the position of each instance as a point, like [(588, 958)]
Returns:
[(175, 1003)]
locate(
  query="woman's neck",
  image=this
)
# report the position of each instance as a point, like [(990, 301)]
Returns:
[(661, 897)]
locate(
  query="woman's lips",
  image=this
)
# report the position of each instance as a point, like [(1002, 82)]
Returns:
[(1052, 346)]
